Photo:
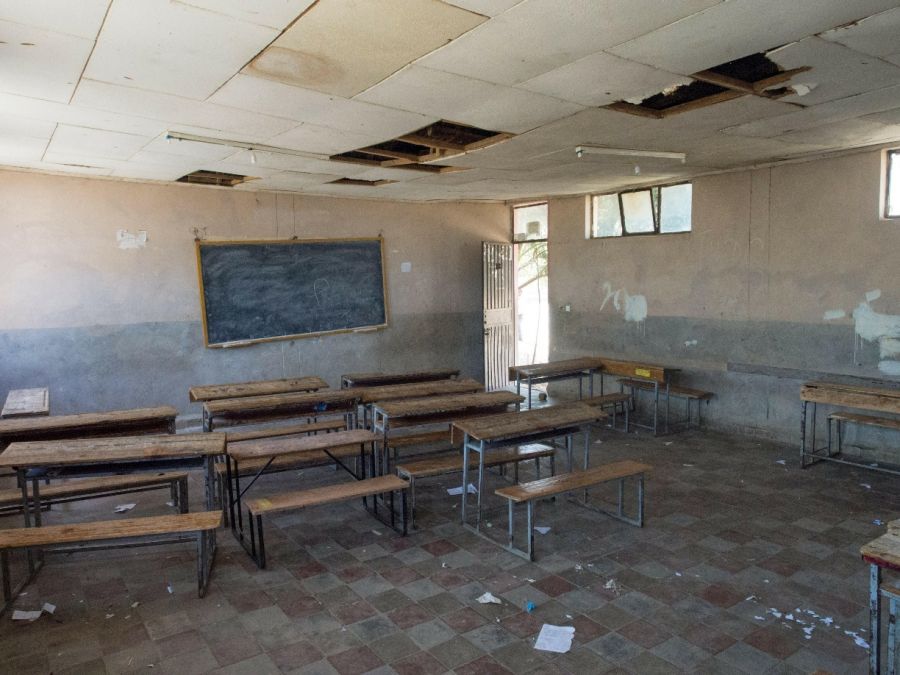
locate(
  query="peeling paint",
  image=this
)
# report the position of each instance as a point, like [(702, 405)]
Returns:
[(834, 314), (873, 295), (126, 240), (690, 343), (632, 307), (884, 329)]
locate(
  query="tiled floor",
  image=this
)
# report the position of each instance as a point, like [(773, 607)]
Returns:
[(739, 555)]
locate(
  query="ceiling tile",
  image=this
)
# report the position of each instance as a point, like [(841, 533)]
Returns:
[(358, 117), (40, 63), (16, 148), (875, 35), (272, 13), (322, 140), (738, 28), (836, 71), (539, 35), (485, 7), (173, 48), (345, 46), (180, 111), (602, 78), (887, 117), (51, 111), (182, 149), (848, 133), (81, 19), (468, 101), (95, 142)]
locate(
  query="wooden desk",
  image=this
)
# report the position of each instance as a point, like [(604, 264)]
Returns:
[(27, 403), (392, 392), (296, 447), (432, 410), (250, 409), (657, 377), (379, 379), (873, 399), (881, 553), (483, 434), (112, 423), (556, 370), (211, 392)]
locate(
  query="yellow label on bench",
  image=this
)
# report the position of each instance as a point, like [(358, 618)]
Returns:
[(264, 503), (642, 372)]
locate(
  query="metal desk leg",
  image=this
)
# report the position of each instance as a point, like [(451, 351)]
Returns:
[(580, 386), (480, 452), (803, 435), (812, 435), (529, 392), (667, 407), (569, 452), (655, 408), (465, 477), (586, 430), (874, 620)]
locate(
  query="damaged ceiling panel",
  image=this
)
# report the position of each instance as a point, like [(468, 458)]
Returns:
[(874, 35), (733, 29), (270, 13), (343, 47), (835, 72), (80, 19), (485, 7)]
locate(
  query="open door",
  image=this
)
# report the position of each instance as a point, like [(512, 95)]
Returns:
[(499, 327)]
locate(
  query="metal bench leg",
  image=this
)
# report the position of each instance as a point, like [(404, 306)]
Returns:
[(412, 500), (4, 572), (261, 552), (892, 637), (510, 537), (530, 533), (404, 507), (182, 501), (621, 497)]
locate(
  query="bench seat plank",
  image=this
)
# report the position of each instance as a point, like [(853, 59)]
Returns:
[(85, 486), (379, 379), (554, 485), (292, 445), (883, 422), (109, 529), (326, 494), (115, 422), (437, 466), (314, 402), (392, 392), (607, 399), (674, 389), (210, 392), (284, 430)]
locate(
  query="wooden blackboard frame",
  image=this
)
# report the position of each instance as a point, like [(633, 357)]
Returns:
[(268, 242)]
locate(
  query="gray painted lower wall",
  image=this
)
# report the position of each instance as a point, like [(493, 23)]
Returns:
[(755, 369), (147, 364)]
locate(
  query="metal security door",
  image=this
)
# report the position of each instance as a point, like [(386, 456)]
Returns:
[(499, 329)]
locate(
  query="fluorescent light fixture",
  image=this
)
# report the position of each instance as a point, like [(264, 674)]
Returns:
[(242, 145), (583, 150)]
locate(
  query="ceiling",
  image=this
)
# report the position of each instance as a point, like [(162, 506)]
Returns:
[(95, 87)]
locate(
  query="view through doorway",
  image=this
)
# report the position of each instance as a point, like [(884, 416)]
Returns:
[(532, 301)]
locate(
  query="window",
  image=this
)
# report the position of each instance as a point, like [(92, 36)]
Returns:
[(657, 210), (892, 195), (530, 222)]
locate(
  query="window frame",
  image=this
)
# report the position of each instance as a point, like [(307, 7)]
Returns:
[(655, 205), (892, 164), (512, 220)]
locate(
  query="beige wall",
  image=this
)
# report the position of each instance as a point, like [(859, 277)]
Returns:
[(108, 328), (771, 251)]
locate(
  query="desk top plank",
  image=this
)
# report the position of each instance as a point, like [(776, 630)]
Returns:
[(440, 405), (556, 368), (292, 445), (379, 379), (884, 551), (535, 421), (314, 401), (27, 403), (83, 422), (209, 392), (647, 371), (80, 451), (878, 399), (392, 392)]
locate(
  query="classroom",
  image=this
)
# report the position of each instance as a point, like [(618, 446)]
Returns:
[(449, 336)]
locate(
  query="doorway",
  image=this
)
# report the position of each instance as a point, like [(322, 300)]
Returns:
[(530, 230)]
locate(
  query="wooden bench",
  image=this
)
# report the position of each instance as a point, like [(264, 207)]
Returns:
[(568, 482), (328, 494), (94, 488), (619, 402), (380, 379), (291, 405), (674, 391), (303, 429), (439, 466), (211, 392), (839, 419), (199, 526)]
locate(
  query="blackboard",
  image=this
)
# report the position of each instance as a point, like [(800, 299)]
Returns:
[(255, 291)]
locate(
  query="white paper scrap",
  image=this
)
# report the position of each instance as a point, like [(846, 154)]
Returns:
[(24, 615), (781, 461), (541, 530), (122, 508), (458, 490), (489, 597), (555, 638), (49, 608)]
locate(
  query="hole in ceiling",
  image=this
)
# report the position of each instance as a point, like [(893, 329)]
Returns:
[(205, 177), (415, 151), (360, 181), (754, 75)]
